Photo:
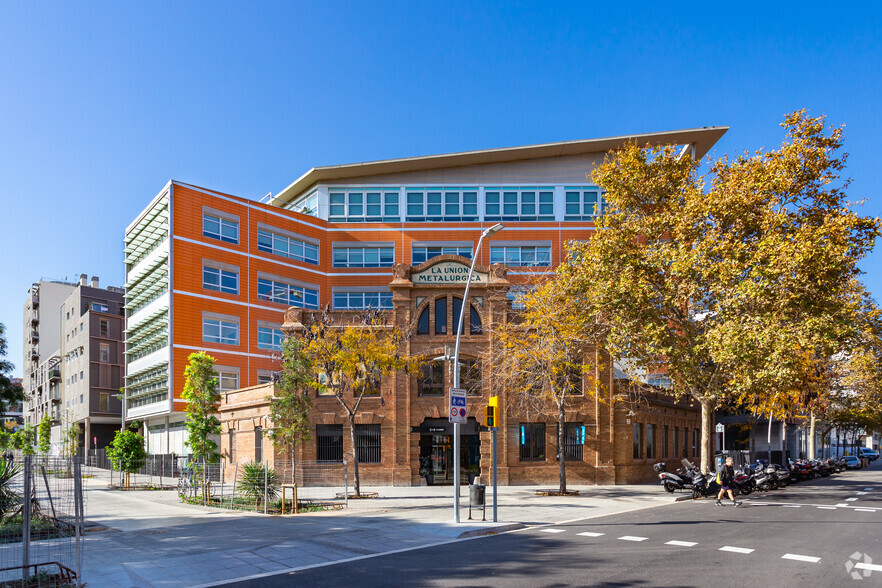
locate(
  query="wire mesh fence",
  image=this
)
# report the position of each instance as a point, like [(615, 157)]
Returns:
[(41, 521)]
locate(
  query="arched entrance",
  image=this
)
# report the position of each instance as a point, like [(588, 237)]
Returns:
[(436, 450)]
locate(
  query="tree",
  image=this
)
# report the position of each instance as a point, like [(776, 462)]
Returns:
[(539, 358), (289, 407), (44, 435), (23, 440), (723, 287), (10, 393), (127, 453), (70, 439), (350, 359), (200, 391)]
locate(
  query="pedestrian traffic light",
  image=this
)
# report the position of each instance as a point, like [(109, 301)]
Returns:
[(490, 411)]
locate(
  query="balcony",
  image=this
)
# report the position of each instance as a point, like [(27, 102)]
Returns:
[(55, 395), (35, 336), (35, 300), (35, 355), (55, 374), (35, 320)]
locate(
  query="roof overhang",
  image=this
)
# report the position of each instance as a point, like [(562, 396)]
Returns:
[(701, 141)]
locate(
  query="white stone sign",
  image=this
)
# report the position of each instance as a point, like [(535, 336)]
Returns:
[(446, 273)]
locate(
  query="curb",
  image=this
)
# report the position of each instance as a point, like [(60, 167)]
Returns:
[(491, 530), (683, 498)]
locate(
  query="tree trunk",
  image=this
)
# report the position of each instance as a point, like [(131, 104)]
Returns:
[(561, 454), (357, 482), (706, 416), (838, 441), (811, 433)]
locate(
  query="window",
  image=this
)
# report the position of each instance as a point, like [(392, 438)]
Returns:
[(514, 204), (329, 443), (521, 256), (431, 379), (288, 294), (270, 338), (258, 444), (676, 452), (582, 203), (441, 316), (423, 322), (367, 443), (104, 352), (220, 280), (419, 255), (287, 246), (574, 441), (695, 438), (306, 205), (532, 442), (650, 440), (220, 228), (227, 381), (664, 450), (97, 307), (442, 204), (638, 439), (660, 380), (359, 300), (685, 448), (264, 377), (364, 256), (103, 328), (357, 205), (103, 401), (232, 441), (470, 376), (220, 331)]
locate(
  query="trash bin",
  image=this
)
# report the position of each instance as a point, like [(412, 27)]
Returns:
[(476, 494)]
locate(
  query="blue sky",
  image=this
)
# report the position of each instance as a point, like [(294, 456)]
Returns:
[(102, 102)]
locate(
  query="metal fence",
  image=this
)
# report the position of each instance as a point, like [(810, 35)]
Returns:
[(41, 521)]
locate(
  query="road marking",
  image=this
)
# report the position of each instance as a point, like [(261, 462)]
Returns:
[(828, 507), (850, 499), (553, 530), (866, 566), (843, 504), (736, 549), (808, 558), (869, 489), (865, 510), (861, 493), (632, 538), (682, 543), (791, 505), (590, 534)]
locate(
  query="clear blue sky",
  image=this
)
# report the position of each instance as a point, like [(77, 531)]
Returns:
[(102, 102)]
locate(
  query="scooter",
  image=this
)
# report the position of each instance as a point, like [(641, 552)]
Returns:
[(680, 480)]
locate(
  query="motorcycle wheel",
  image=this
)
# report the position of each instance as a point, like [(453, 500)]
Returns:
[(669, 486), (696, 493), (746, 489), (764, 487)]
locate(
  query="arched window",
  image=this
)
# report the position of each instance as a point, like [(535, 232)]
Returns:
[(423, 323), (457, 308), (475, 322), (441, 316)]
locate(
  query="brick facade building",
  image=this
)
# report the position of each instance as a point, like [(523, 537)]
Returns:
[(404, 436)]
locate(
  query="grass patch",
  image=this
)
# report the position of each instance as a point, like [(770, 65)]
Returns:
[(274, 507)]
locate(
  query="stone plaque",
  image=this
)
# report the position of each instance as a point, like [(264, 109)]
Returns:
[(447, 273)]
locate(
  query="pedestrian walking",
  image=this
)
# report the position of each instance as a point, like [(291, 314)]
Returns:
[(726, 479)]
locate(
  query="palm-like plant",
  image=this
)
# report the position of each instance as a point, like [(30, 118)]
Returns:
[(255, 478), (10, 501)]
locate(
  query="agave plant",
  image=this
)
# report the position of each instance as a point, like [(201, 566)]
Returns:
[(255, 478), (10, 501)]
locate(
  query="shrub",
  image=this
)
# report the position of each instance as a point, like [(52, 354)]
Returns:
[(254, 476)]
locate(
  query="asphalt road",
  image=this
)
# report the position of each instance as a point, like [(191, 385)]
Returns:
[(825, 532)]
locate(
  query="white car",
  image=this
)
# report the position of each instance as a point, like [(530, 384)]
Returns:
[(869, 453)]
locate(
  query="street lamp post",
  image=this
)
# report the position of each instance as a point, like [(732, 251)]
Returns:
[(465, 304)]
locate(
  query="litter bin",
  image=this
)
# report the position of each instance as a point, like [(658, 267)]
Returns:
[(477, 492)]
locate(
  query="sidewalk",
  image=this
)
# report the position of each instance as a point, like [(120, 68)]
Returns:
[(151, 539)]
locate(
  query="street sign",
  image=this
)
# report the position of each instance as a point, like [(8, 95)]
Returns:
[(720, 428), (457, 410)]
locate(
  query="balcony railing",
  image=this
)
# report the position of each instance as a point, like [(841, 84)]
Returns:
[(55, 374)]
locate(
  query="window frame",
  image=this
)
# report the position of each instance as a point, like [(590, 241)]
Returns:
[(221, 224), (369, 443), (531, 442), (498, 201), (355, 256), (503, 254), (427, 374), (308, 298), (221, 325), (359, 300), (275, 334), (221, 274), (423, 253), (329, 452), (309, 251), (344, 207), (441, 204)]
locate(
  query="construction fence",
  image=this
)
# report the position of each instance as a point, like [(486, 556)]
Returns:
[(41, 521)]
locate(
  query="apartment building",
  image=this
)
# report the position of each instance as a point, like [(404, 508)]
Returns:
[(211, 271), (76, 379)]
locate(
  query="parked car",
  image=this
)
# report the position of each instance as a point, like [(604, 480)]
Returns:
[(852, 462), (869, 453)]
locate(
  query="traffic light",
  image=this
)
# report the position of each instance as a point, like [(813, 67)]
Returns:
[(490, 411)]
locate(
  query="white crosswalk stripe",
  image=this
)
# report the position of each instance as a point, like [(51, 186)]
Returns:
[(795, 557), (865, 510), (632, 538), (590, 534), (744, 550), (682, 543), (553, 530)]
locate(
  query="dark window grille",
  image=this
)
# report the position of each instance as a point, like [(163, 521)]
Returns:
[(329, 443), (676, 442), (665, 442), (367, 443), (532, 441), (431, 379), (475, 327), (258, 444), (685, 442), (638, 435), (574, 441), (650, 440)]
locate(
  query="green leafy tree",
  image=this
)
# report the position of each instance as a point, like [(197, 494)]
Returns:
[(725, 287), (200, 391), (289, 406), (10, 394), (127, 453), (23, 440), (44, 435)]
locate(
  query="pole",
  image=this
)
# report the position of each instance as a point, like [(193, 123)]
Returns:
[(80, 516), (465, 303), (26, 518), (493, 433)]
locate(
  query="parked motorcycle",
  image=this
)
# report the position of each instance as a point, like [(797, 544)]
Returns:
[(679, 480)]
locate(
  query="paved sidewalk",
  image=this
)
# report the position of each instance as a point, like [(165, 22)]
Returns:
[(151, 539)]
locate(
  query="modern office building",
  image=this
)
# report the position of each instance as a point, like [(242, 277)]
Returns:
[(73, 358), (215, 272)]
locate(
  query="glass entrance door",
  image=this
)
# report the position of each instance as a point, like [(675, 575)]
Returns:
[(436, 456)]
